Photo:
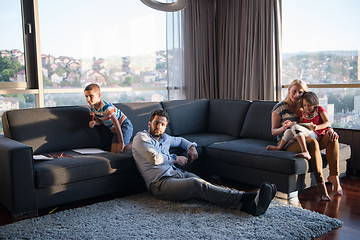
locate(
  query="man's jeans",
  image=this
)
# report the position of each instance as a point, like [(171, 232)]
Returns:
[(185, 185)]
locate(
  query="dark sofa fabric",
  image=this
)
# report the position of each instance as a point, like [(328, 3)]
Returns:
[(47, 129), (227, 116), (187, 116), (231, 135), (252, 153), (257, 123), (82, 167)]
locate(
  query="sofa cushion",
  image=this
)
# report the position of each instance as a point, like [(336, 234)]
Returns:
[(227, 116), (187, 116), (139, 113), (257, 123), (252, 153), (207, 139), (66, 170), (55, 128)]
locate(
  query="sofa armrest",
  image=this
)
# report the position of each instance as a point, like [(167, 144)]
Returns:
[(17, 191)]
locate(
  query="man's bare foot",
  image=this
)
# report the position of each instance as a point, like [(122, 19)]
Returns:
[(334, 180), (324, 196), (304, 155), (271, 147)]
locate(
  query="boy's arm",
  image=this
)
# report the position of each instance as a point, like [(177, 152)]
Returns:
[(117, 129), (94, 121)]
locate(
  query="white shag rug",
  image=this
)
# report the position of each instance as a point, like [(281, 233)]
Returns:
[(143, 217)]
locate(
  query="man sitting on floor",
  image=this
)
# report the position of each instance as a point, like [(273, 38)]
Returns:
[(167, 182)]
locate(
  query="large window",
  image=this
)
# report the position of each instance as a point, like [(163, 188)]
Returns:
[(321, 45), (12, 63), (115, 44), (50, 50)]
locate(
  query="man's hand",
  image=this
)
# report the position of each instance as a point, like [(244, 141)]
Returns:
[(181, 160), (192, 153)]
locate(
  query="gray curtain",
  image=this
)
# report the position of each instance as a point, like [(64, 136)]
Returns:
[(175, 55), (200, 49), (243, 62)]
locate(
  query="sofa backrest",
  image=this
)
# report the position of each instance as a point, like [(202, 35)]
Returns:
[(227, 116), (257, 123), (139, 113), (187, 116), (54, 129)]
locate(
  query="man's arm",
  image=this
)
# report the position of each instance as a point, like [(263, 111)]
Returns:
[(186, 145), (181, 142)]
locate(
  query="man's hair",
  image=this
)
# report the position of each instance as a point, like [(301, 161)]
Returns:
[(92, 86), (311, 98), (159, 112)]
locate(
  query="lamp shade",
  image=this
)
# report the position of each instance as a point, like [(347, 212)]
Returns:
[(167, 7)]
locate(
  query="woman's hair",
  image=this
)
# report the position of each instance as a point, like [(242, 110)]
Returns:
[(311, 98), (298, 82)]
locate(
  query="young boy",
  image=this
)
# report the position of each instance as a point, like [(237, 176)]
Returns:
[(106, 113)]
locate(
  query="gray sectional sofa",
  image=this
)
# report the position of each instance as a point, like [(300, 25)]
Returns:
[(231, 135)]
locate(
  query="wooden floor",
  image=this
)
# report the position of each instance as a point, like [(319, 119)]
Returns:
[(345, 207)]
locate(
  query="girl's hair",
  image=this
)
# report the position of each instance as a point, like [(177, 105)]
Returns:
[(298, 82), (311, 98)]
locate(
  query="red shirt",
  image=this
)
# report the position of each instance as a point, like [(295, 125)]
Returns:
[(315, 118)]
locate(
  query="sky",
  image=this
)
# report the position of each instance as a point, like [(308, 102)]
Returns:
[(320, 25), (85, 28)]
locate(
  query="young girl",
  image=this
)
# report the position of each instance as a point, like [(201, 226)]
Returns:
[(313, 123)]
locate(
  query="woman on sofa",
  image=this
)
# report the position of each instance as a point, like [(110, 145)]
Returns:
[(284, 116)]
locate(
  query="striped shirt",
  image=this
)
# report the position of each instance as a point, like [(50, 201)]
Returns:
[(282, 109), (104, 114)]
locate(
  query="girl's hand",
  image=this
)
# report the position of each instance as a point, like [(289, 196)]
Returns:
[(313, 127), (333, 135)]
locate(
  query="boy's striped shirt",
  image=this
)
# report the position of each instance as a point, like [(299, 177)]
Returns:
[(104, 114)]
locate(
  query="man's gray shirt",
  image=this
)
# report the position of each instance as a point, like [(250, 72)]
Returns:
[(153, 158)]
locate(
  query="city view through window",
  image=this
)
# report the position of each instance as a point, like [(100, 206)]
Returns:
[(121, 45), (321, 49), (124, 45)]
